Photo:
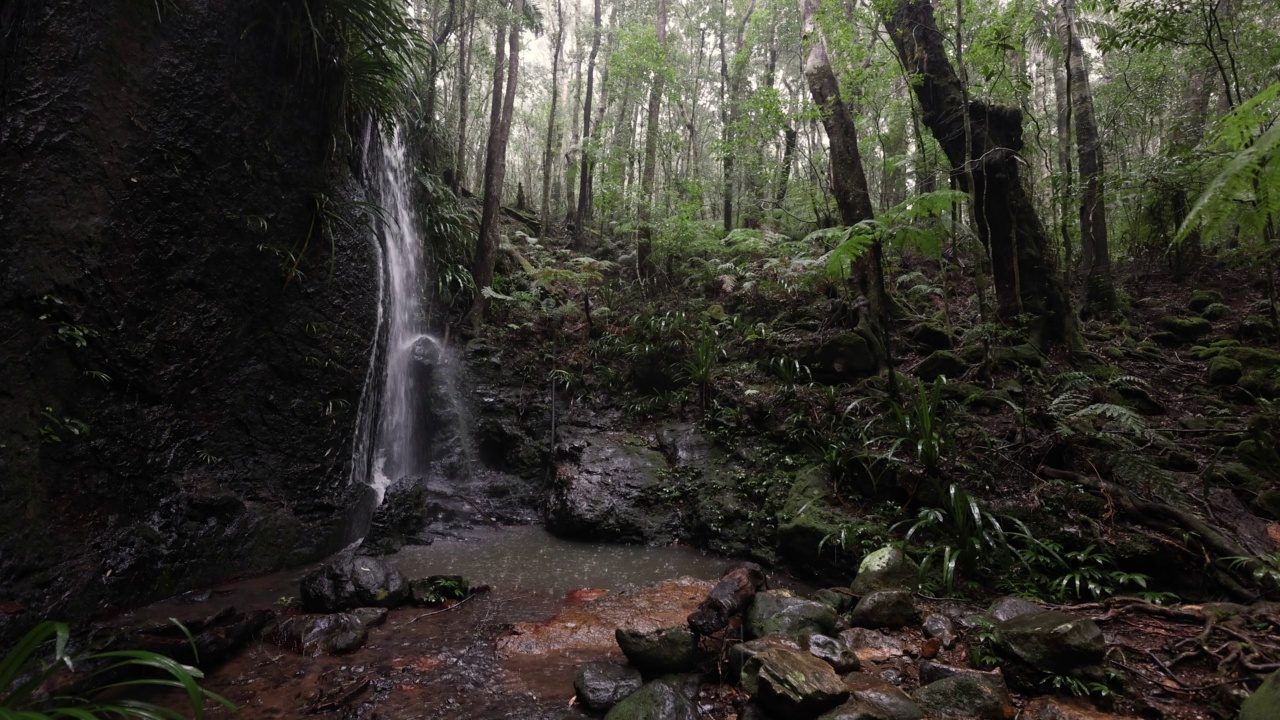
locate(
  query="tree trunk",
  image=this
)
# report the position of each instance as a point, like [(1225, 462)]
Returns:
[(848, 181), (1066, 170), (584, 181), (552, 120), (495, 166), (1188, 129), (1005, 218), (645, 246), (463, 84), (1099, 291), (729, 597), (574, 154), (788, 159)]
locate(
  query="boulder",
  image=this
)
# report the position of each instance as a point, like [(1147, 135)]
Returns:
[(940, 628), (1225, 371), (842, 359), (977, 695), (666, 650), (370, 617), (601, 685), (931, 672), (658, 700), (602, 489), (838, 599), (352, 582), (885, 609), (313, 635), (873, 646), (1186, 329), (885, 569), (931, 336), (832, 651), (740, 653), (1201, 299), (791, 684), (1010, 607), (1215, 311), (941, 363), (1264, 703), (885, 700), (399, 519), (1052, 641), (778, 612)]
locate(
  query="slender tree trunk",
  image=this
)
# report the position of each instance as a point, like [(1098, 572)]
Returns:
[(584, 186), (1066, 169), (730, 88), (645, 246), (501, 111), (1099, 291), (848, 181), (463, 84), (552, 119), (574, 154), (1005, 218), (1188, 129), (790, 136)]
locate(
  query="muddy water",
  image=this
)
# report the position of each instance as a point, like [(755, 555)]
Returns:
[(511, 652)]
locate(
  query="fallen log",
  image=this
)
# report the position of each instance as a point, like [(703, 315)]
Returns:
[(729, 597)]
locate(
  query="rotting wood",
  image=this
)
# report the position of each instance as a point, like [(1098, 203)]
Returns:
[(729, 597)]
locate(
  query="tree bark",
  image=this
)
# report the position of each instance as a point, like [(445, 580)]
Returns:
[(463, 85), (1188, 129), (1099, 291), (644, 247), (1066, 169), (790, 136), (729, 597), (1005, 218), (574, 154), (584, 163), (848, 181), (552, 119), (495, 170)]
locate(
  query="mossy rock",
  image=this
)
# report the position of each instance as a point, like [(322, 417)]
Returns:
[(1260, 383), (971, 354), (844, 358), (1201, 299), (1256, 328), (1024, 355), (1185, 329), (1239, 475), (1112, 352), (1269, 502), (1178, 460), (1224, 371), (1259, 456), (931, 336), (1216, 311), (941, 363)]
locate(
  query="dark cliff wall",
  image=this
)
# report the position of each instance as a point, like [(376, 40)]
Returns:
[(172, 412)]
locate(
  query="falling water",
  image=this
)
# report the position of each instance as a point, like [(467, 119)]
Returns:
[(411, 401)]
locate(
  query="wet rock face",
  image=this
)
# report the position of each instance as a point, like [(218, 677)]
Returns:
[(334, 634), (667, 650), (792, 684), (354, 582), (659, 700), (1052, 641), (204, 407), (601, 685)]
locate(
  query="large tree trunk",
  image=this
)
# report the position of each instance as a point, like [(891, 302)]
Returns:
[(1188, 129), (463, 82), (731, 81), (1005, 218), (1099, 291), (645, 246), (584, 163), (552, 120), (1066, 169), (495, 166), (574, 154), (848, 181)]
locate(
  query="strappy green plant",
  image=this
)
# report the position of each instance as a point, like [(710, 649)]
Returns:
[(25, 679)]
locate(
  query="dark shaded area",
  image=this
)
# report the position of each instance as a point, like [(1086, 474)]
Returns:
[(176, 407)]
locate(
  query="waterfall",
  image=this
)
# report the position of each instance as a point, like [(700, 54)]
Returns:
[(411, 413)]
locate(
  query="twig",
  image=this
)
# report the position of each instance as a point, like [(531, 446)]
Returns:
[(454, 606)]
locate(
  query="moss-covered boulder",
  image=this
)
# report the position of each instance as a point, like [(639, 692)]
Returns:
[(1201, 299), (885, 609), (967, 695), (658, 700), (1053, 641), (1186, 329), (1215, 311), (1224, 371), (792, 684), (778, 612), (941, 363), (844, 358), (931, 336), (1256, 328), (666, 650), (886, 569), (1024, 355), (1264, 703)]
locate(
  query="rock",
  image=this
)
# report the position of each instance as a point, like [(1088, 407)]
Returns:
[(833, 652), (1201, 299), (982, 696), (1264, 703), (931, 672), (1024, 355), (1225, 371), (852, 710), (667, 650), (842, 359), (941, 363), (1256, 328), (1215, 311), (601, 685), (601, 490), (931, 336), (1052, 641), (320, 634), (1010, 607), (778, 612), (370, 617), (885, 609), (398, 520), (885, 569), (940, 627), (885, 700), (742, 652), (838, 599), (1058, 708), (1186, 329), (352, 582), (1140, 400), (658, 700), (791, 684), (873, 646)]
